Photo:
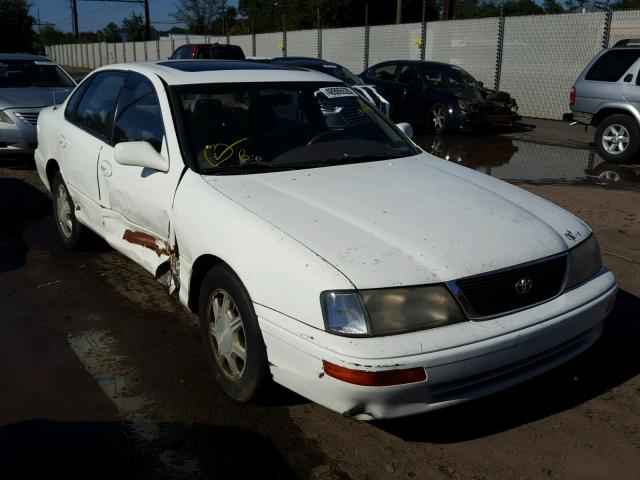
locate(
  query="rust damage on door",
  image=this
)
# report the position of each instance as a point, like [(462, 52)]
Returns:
[(147, 241), (167, 272)]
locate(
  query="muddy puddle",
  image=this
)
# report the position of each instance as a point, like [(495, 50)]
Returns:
[(516, 160)]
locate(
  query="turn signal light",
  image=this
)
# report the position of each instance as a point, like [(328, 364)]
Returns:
[(375, 379)]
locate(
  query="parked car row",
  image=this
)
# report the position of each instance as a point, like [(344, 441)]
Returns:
[(315, 240)]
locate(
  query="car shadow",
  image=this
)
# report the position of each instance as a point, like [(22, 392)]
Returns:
[(20, 205), (18, 162), (119, 449), (611, 361)]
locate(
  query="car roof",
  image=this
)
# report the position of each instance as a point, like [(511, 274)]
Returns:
[(412, 62), (209, 45), (303, 61), (186, 72), (24, 56)]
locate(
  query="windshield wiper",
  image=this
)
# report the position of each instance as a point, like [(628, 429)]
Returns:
[(249, 167)]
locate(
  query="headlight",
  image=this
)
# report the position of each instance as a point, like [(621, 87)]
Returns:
[(4, 118), (467, 105), (389, 310), (584, 261)]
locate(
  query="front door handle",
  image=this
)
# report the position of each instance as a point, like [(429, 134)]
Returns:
[(105, 168), (62, 141)]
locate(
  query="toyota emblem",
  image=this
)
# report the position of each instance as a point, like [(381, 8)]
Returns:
[(524, 285)]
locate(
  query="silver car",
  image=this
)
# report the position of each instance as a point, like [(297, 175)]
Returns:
[(606, 96), (28, 83)]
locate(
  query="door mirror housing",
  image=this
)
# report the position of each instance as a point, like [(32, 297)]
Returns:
[(406, 128), (140, 154)]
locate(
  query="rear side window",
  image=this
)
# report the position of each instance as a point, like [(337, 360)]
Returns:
[(138, 117), (221, 53), (385, 73), (97, 105), (180, 53), (612, 65)]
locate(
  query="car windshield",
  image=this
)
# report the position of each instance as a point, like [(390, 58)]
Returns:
[(32, 73), (337, 71), (446, 76), (253, 128)]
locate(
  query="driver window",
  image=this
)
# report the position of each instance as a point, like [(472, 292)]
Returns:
[(432, 77), (407, 75), (385, 73)]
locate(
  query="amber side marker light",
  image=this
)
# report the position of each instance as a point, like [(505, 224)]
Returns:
[(375, 379)]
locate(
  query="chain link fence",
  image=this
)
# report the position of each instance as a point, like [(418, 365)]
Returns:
[(535, 58)]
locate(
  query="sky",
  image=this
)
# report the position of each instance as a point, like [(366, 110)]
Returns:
[(95, 14)]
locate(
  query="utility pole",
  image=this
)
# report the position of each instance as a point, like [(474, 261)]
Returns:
[(147, 21), (144, 3), (398, 12), (74, 19)]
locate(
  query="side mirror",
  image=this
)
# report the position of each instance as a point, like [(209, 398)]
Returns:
[(406, 128), (140, 154)]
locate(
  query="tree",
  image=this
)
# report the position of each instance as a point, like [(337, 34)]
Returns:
[(626, 5), (111, 33), (50, 35), (198, 15), (133, 28), (551, 6), (522, 7), (16, 33)]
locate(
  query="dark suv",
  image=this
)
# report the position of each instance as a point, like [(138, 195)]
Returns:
[(439, 96), (208, 51), (606, 96)]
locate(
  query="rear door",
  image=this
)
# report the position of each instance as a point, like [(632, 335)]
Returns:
[(83, 136), (137, 201), (412, 105)]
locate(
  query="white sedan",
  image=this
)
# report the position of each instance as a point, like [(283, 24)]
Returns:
[(319, 246)]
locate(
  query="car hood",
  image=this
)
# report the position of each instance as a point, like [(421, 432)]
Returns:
[(408, 221), (32, 97)]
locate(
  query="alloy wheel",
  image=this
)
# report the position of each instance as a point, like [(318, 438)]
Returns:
[(615, 139)]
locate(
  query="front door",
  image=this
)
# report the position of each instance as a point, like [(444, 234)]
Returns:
[(137, 201)]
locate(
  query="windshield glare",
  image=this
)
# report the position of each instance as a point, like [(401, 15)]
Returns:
[(244, 128), (30, 73)]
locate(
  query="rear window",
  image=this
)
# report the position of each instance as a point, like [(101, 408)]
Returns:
[(612, 65), (221, 53)]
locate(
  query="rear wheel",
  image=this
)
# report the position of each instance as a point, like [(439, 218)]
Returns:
[(617, 138), (438, 118), (72, 233), (231, 336)]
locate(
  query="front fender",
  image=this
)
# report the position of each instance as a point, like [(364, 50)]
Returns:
[(278, 271)]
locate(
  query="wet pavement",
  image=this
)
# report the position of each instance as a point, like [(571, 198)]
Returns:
[(103, 375), (517, 160)]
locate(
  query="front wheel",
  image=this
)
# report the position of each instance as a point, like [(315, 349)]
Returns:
[(231, 336), (617, 138), (438, 118)]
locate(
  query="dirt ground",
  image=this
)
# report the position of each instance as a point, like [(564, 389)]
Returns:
[(103, 376)]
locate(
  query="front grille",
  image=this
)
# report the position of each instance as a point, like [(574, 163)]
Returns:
[(495, 293), (28, 117)]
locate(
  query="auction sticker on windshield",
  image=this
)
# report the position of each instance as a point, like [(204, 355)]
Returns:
[(337, 92)]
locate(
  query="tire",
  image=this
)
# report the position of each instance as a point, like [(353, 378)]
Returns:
[(610, 138), (438, 118), (223, 336), (72, 233)]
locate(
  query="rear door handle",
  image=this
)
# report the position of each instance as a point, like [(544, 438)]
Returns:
[(62, 141)]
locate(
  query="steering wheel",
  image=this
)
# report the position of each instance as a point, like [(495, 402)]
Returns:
[(320, 135)]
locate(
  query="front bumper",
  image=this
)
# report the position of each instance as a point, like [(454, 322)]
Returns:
[(556, 331), (18, 137), (468, 121)]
